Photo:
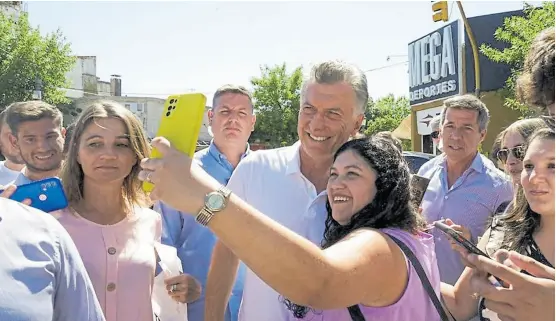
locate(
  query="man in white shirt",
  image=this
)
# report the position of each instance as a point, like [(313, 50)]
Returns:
[(10, 168), (288, 184)]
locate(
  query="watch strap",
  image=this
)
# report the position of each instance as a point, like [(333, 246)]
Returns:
[(205, 215)]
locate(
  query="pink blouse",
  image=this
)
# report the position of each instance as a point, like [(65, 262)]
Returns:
[(120, 260)]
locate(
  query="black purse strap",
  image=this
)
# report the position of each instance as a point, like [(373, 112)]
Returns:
[(355, 311)]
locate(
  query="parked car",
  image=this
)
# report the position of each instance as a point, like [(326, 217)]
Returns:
[(416, 160)]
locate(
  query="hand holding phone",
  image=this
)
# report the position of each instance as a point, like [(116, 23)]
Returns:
[(7, 192), (457, 237), (470, 247), (180, 124), (46, 195)]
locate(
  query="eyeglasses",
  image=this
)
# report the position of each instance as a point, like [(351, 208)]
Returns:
[(435, 134), (503, 154)]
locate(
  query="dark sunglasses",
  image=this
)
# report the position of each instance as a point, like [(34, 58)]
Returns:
[(503, 154), (435, 135)]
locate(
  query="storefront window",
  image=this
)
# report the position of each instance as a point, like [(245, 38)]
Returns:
[(428, 144)]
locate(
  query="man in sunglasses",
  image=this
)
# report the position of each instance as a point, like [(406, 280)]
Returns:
[(435, 135)]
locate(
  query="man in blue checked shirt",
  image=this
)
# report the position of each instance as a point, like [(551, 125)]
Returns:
[(232, 120), (464, 186)]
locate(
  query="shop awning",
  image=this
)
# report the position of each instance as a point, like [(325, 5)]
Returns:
[(404, 129)]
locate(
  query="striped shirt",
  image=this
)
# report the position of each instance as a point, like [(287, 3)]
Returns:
[(471, 200)]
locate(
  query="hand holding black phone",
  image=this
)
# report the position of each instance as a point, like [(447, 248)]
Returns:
[(470, 247)]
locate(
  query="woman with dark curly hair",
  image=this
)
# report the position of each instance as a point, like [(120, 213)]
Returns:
[(361, 265)]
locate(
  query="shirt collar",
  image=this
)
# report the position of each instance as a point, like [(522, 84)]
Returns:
[(477, 165), (293, 159), (217, 154)]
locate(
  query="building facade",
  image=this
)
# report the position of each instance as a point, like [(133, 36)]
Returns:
[(441, 65), (13, 8)]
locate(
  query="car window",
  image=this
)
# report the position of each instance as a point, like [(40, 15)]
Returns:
[(415, 162)]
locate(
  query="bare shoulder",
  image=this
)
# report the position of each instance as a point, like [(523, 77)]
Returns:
[(364, 244)]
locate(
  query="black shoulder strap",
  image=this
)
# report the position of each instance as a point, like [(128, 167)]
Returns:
[(357, 315), (423, 277), (502, 207)]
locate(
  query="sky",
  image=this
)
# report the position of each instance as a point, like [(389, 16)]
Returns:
[(162, 48)]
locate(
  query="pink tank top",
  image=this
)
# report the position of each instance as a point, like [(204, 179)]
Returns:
[(415, 304)]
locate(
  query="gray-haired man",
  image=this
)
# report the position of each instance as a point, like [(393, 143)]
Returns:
[(285, 182), (465, 186)]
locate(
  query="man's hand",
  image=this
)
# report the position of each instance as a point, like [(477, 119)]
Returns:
[(463, 231), (526, 298)]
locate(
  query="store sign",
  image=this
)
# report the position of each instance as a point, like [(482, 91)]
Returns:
[(434, 65), (424, 118)]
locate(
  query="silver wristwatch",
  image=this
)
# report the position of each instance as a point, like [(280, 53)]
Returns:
[(214, 202)]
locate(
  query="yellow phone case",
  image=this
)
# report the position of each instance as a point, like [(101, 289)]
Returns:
[(181, 122)]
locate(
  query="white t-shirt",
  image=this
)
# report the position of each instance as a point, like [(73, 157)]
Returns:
[(7, 175), (271, 181)]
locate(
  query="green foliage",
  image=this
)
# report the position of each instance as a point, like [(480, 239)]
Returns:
[(386, 114), (276, 94), (519, 32), (26, 55)]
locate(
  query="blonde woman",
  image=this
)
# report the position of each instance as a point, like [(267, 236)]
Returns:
[(108, 215)]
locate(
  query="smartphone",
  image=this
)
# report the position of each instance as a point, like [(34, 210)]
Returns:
[(46, 195), (419, 186), (447, 230), (180, 123)]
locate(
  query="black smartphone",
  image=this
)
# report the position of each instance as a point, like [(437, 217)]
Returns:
[(467, 245), (458, 238), (419, 186)]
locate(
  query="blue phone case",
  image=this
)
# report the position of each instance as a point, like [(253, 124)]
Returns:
[(46, 195)]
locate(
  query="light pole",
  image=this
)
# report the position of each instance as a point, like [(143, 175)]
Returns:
[(37, 92)]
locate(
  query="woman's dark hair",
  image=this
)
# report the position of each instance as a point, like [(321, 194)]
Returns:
[(496, 146), (521, 221), (535, 86), (391, 206)]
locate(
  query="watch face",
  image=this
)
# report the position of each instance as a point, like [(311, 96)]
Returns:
[(215, 202)]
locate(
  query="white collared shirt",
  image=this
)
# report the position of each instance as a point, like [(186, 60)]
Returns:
[(272, 182), (7, 175)]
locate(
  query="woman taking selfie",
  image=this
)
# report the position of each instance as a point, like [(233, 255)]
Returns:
[(108, 216), (361, 265)]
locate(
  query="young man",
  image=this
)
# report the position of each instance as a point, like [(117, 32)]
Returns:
[(232, 120), (38, 136)]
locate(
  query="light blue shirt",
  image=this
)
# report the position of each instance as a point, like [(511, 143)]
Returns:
[(42, 276), (470, 202), (195, 242), (21, 179)]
